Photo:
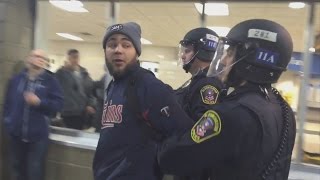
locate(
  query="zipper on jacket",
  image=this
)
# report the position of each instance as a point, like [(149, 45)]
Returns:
[(25, 123), (31, 86)]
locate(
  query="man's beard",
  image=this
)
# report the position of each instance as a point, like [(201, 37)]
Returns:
[(116, 73)]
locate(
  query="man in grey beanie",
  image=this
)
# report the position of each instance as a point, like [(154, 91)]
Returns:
[(129, 33), (139, 112)]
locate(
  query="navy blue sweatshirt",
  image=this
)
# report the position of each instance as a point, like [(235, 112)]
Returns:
[(124, 151)]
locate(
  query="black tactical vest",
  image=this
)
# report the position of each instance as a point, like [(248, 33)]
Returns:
[(270, 116)]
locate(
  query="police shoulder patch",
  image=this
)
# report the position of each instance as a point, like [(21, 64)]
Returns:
[(209, 94), (208, 126)]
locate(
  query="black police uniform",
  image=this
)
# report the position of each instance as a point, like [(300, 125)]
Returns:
[(249, 135), (237, 141), (126, 149), (199, 95)]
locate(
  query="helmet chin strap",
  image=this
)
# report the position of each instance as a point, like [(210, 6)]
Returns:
[(187, 66), (233, 78), (198, 71)]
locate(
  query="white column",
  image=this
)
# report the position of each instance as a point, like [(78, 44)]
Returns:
[(41, 26)]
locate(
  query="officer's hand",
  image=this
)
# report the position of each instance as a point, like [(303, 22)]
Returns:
[(31, 99)]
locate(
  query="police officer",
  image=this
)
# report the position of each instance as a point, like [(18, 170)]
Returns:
[(198, 94), (250, 134), (201, 92), (139, 111)]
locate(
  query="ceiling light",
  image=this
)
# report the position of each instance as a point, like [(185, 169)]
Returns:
[(296, 5), (69, 5), (145, 41), (221, 31), (312, 49), (70, 36), (160, 56), (213, 9)]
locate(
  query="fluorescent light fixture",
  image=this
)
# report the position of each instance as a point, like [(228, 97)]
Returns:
[(221, 31), (213, 9), (160, 56), (70, 36), (312, 49), (296, 5), (69, 5), (145, 41)]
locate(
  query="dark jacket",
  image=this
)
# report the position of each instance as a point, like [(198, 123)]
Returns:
[(237, 139), (200, 95), (31, 122), (78, 94), (125, 151), (99, 93)]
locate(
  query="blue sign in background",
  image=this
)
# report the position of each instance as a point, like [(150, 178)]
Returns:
[(296, 63)]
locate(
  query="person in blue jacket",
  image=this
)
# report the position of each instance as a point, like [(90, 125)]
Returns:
[(33, 96), (139, 112)]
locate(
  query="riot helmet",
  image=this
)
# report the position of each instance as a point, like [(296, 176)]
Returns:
[(200, 43), (256, 50)]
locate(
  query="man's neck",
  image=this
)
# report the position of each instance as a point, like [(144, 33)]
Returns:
[(73, 67), (34, 73), (199, 67), (76, 68)]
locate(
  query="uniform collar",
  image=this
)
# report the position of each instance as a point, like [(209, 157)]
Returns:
[(248, 87), (201, 73)]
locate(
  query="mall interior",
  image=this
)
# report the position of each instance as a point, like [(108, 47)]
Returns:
[(57, 27)]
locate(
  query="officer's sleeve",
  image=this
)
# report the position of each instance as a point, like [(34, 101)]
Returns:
[(161, 110), (204, 95), (216, 138)]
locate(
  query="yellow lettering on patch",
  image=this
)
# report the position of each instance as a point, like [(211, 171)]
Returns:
[(209, 94)]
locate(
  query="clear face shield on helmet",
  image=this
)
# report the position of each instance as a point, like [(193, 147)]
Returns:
[(223, 60)]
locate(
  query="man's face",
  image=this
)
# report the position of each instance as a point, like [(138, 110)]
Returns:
[(74, 59), (186, 53), (37, 60), (120, 54), (227, 60)]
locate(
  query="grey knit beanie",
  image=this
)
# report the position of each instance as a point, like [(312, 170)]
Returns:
[(130, 29)]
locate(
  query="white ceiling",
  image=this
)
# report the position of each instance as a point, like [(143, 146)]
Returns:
[(164, 24)]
